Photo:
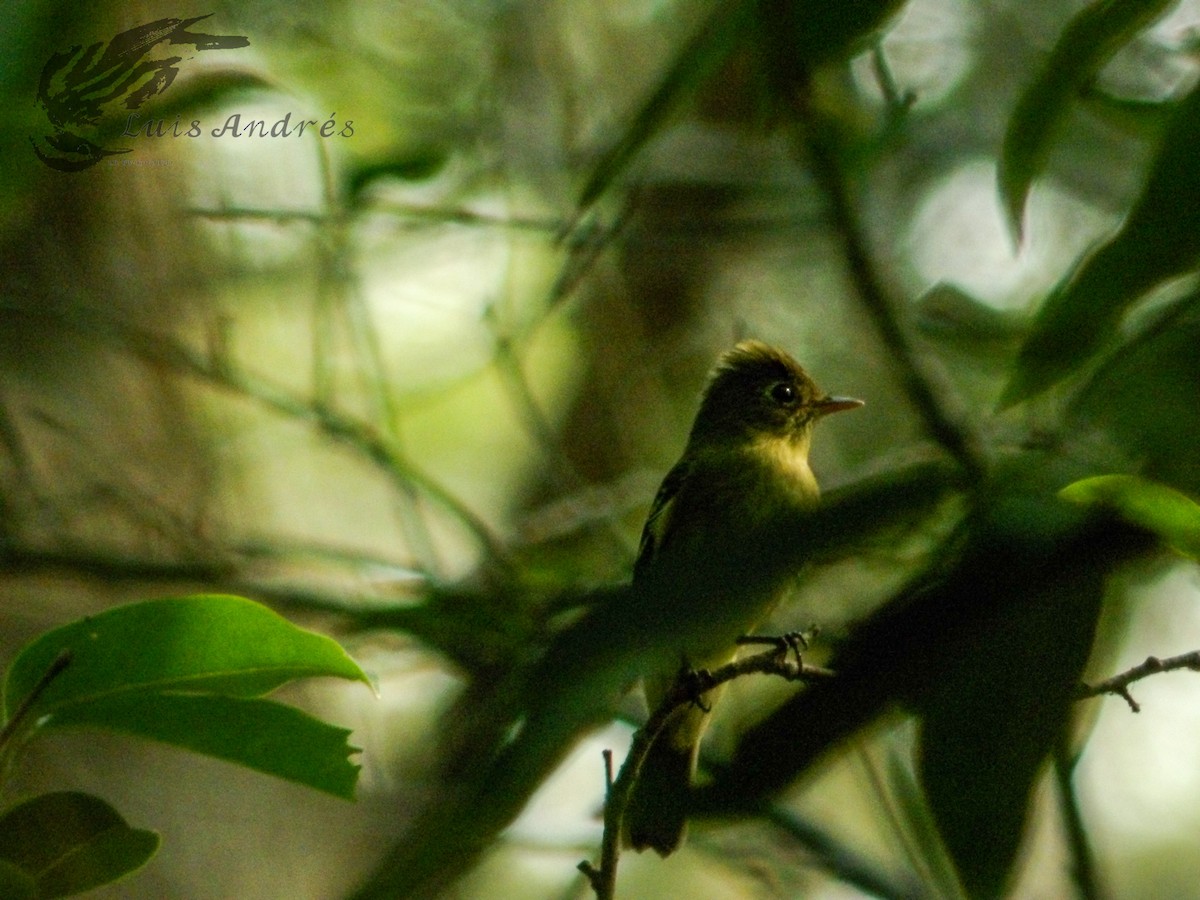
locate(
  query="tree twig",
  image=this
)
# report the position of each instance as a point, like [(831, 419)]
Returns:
[(57, 666), (948, 430), (1083, 861), (1119, 684), (688, 688)]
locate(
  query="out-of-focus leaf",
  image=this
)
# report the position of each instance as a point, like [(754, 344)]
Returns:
[(1173, 516), (1144, 397), (1145, 118), (67, 843), (1087, 42), (946, 312), (15, 884), (998, 704), (699, 58), (1014, 595), (261, 734), (1159, 240), (798, 36), (208, 643)]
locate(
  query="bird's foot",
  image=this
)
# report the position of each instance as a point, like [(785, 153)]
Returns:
[(794, 642), (692, 684)]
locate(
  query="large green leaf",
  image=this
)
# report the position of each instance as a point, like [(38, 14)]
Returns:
[(1087, 42), (1159, 240), (202, 644), (66, 843), (261, 734), (998, 704)]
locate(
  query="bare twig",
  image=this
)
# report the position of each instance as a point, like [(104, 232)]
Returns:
[(1119, 684), (950, 431), (1083, 861), (688, 688)]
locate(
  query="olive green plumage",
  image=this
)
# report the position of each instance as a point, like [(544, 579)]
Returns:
[(745, 466)]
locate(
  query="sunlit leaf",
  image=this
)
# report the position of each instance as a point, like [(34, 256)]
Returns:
[(261, 734), (1173, 516), (1087, 42), (66, 843), (1159, 240), (211, 643)]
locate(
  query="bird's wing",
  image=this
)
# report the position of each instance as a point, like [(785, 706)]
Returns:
[(658, 523)]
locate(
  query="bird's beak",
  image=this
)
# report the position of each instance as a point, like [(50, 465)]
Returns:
[(836, 404)]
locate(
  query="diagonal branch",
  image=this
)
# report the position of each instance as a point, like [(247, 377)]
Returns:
[(688, 688), (1119, 684)]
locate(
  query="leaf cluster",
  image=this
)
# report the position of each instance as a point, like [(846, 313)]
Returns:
[(192, 672)]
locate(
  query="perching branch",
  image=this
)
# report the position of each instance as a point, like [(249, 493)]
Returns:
[(1119, 684), (688, 688)]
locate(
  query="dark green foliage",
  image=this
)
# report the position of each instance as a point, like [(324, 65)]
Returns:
[(56, 845)]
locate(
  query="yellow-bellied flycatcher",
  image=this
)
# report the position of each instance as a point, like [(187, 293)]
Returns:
[(745, 466)]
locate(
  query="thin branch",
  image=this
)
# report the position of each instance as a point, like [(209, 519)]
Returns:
[(57, 666), (688, 688), (1119, 684), (1083, 861), (948, 430)]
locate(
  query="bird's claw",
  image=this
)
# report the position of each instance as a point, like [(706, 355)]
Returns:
[(794, 642)]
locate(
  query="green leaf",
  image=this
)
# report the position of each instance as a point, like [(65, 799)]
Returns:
[(1173, 516), (1088, 41), (999, 703), (1143, 397), (261, 734), (208, 643), (1159, 240), (15, 884), (66, 843)]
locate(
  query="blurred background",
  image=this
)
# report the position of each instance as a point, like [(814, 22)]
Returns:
[(407, 377)]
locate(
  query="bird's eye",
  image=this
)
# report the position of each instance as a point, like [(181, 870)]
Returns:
[(784, 393)]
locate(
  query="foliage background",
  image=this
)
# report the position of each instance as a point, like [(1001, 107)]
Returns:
[(330, 373)]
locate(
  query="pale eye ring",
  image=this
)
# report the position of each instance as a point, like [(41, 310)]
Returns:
[(784, 393)]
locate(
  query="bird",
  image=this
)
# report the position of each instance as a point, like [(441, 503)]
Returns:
[(701, 579), (744, 470)]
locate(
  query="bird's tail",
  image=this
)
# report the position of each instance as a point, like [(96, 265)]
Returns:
[(656, 817)]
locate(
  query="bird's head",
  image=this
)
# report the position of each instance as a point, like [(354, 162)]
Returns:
[(758, 393)]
